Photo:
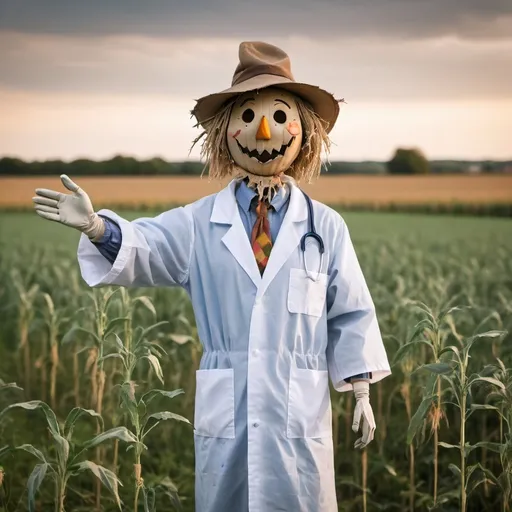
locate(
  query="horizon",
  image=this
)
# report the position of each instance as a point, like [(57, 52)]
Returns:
[(197, 161), (98, 80)]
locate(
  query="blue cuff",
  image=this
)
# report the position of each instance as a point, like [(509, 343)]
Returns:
[(111, 241), (367, 375), (108, 232)]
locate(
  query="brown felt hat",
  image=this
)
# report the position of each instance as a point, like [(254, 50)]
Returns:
[(264, 65)]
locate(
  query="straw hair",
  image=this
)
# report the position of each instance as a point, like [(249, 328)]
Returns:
[(306, 167)]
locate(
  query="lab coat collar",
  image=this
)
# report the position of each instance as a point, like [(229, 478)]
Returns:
[(224, 206), (225, 211)]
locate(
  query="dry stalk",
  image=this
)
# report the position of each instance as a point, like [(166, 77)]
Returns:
[(364, 470), (54, 355), (405, 391), (76, 379)]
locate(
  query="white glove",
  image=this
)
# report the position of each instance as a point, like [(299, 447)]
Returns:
[(73, 210), (363, 410)]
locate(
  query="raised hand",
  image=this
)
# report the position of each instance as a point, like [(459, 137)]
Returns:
[(363, 411), (73, 209)]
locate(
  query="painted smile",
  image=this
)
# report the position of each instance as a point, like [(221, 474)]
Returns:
[(265, 156)]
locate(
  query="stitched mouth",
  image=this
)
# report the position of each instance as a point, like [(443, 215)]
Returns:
[(265, 156)]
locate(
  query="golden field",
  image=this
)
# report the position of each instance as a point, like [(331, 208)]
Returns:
[(133, 190)]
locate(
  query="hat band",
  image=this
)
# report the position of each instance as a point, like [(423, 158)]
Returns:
[(262, 69)]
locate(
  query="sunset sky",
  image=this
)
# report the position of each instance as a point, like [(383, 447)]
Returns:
[(98, 78)]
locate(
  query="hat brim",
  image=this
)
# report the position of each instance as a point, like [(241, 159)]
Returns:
[(322, 102)]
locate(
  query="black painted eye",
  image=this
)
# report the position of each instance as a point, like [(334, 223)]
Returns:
[(279, 117), (248, 115)]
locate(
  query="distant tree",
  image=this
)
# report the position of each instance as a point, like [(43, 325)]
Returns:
[(408, 161), (13, 166)]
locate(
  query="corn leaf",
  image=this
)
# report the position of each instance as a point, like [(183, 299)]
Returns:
[(129, 403), (146, 302), (162, 416), (170, 490), (34, 482), (454, 469), (155, 364), (149, 499), (419, 417), (181, 339), (114, 323), (71, 335), (150, 395), (62, 451), (402, 351), (106, 477), (446, 445), (33, 450), (166, 415), (4, 450), (51, 419), (439, 368), (121, 433), (490, 380), (494, 447), (450, 348), (9, 385), (73, 417)]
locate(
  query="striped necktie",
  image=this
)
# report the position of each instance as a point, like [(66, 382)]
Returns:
[(261, 240)]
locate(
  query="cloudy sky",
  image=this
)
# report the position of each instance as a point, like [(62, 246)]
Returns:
[(103, 77)]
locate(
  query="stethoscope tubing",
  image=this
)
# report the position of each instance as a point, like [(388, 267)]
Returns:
[(311, 234)]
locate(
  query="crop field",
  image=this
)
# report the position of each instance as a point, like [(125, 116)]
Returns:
[(91, 412), (377, 190)]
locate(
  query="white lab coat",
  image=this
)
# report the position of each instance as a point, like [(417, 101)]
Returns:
[(263, 438)]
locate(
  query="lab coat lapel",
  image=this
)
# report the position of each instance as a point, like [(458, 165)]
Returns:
[(225, 211), (290, 233)]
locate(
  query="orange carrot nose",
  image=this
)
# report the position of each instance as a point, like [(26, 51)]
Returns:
[(263, 130)]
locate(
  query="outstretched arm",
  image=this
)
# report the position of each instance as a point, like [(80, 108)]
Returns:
[(150, 251)]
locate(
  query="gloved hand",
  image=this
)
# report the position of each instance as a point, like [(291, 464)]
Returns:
[(363, 410), (73, 210)]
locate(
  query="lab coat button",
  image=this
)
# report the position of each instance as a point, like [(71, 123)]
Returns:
[(255, 352), (255, 424)]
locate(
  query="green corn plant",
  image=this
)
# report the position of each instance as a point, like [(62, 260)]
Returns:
[(102, 326), (455, 372), (502, 400), (68, 461), (26, 299), (53, 319), (4, 491), (141, 421), (431, 332), (129, 306), (166, 489)]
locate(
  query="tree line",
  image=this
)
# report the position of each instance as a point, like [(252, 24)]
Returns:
[(404, 161)]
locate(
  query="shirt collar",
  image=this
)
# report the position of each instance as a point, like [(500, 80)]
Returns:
[(244, 196)]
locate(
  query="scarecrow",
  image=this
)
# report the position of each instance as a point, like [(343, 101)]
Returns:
[(280, 301)]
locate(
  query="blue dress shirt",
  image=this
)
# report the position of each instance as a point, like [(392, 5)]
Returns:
[(110, 243)]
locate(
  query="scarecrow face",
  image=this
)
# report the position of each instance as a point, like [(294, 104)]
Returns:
[(264, 132)]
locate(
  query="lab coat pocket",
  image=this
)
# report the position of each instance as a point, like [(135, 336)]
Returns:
[(309, 403), (215, 403), (305, 295)]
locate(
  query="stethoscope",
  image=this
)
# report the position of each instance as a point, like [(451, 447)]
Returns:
[(313, 234)]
